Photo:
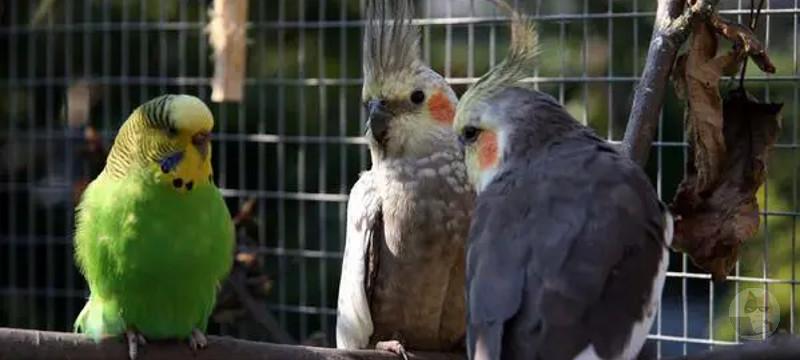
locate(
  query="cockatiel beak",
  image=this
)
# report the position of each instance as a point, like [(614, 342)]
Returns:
[(378, 119), (201, 141)]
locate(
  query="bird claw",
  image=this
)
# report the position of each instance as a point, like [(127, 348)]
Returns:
[(392, 346), (197, 340), (134, 340)]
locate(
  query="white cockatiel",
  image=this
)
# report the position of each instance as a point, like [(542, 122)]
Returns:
[(402, 282)]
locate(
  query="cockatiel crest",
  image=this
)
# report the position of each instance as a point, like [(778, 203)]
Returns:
[(400, 87), (518, 64)]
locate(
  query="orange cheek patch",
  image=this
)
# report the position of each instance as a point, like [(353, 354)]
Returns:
[(441, 108), (487, 150)]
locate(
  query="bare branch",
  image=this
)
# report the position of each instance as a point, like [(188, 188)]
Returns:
[(19, 344), (669, 32)]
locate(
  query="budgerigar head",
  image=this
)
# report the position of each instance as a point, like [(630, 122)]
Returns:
[(497, 105), (410, 107), (168, 137)]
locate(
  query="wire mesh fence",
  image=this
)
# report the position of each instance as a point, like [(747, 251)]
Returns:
[(72, 71)]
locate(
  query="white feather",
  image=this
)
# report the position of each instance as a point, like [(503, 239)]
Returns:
[(669, 227), (354, 321)]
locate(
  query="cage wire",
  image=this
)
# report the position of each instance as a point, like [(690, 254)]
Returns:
[(72, 67)]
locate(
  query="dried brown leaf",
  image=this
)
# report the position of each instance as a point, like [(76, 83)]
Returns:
[(744, 40), (701, 71), (710, 226), (678, 76)]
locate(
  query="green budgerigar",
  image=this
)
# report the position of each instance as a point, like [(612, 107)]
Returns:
[(154, 237)]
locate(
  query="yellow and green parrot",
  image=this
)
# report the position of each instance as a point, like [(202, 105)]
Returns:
[(154, 237)]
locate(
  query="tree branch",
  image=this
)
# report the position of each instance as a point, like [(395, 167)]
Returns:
[(19, 344), (669, 33)]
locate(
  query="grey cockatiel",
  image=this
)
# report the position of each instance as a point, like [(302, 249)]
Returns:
[(402, 280), (567, 251)]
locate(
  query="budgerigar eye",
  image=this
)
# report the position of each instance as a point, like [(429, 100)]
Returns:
[(417, 97), (172, 131), (470, 134)]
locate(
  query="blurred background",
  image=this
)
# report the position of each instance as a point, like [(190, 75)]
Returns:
[(72, 70)]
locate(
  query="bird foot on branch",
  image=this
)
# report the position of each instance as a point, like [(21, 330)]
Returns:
[(392, 346), (134, 340), (197, 340)]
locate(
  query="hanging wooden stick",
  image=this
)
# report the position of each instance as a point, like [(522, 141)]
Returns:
[(227, 33)]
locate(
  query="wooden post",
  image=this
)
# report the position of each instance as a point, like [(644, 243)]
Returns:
[(227, 33)]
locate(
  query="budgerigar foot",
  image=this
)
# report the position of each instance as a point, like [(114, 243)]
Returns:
[(134, 340), (197, 340), (392, 346)]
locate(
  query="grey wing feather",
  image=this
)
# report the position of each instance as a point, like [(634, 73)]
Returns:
[(561, 258), (354, 320)]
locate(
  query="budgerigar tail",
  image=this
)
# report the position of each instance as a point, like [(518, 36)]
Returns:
[(99, 318)]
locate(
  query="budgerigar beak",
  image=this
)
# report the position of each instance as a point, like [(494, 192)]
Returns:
[(200, 141), (378, 119)]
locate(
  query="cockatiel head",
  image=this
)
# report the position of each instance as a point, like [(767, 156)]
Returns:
[(499, 116), (410, 107), (167, 137)]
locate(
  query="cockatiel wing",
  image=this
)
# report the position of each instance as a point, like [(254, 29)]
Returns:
[(364, 230), (575, 268)]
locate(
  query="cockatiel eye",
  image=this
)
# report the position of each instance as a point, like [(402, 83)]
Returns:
[(469, 134), (417, 97)]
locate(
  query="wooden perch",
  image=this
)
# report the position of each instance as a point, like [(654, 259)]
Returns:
[(19, 344), (227, 33), (672, 27)]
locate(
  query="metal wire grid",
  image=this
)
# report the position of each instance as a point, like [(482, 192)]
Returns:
[(294, 143)]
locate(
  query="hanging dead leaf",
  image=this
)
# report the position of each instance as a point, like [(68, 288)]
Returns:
[(744, 41), (697, 80), (711, 225)]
